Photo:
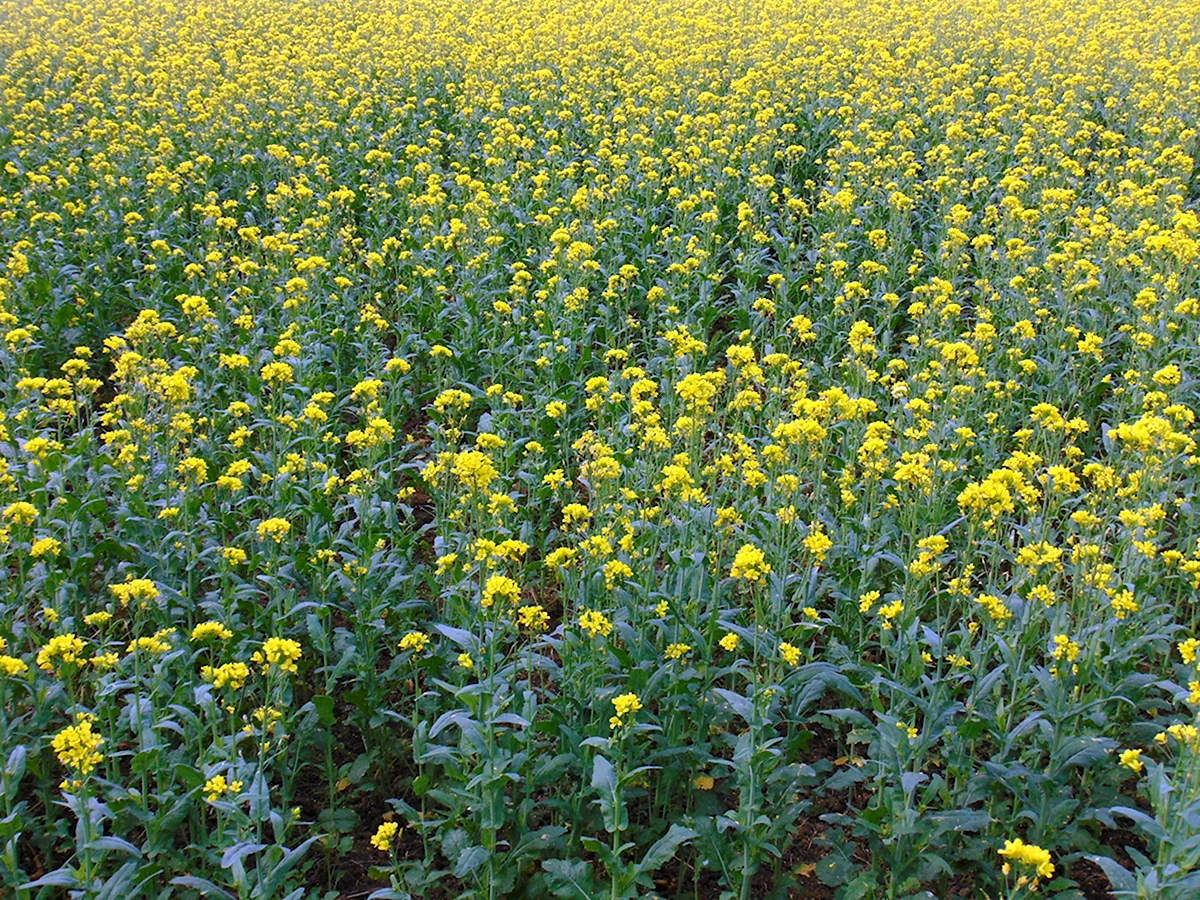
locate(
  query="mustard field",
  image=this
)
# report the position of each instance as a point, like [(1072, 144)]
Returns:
[(599, 449)]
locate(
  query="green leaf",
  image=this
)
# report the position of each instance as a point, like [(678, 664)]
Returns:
[(358, 699), (358, 769), (540, 840), (119, 883), (14, 769), (323, 704), (662, 850), (191, 777), (570, 879), (460, 636), (288, 861), (604, 776), (166, 823), (1148, 824), (743, 706), (145, 761), (1088, 750), (203, 885), (469, 860), (63, 877), (239, 851), (1122, 880), (960, 820), (112, 842), (339, 820)]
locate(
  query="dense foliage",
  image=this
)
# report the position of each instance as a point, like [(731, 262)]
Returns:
[(599, 449)]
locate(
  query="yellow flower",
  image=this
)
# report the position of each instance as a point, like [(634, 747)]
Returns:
[(46, 546), (216, 787), (275, 528), (1065, 648), (1029, 855), (561, 558), (1131, 759), (192, 468), (595, 623), (790, 654), (1168, 376), (452, 398), (62, 649), (626, 705), (155, 643), (500, 586), (677, 651), (1123, 604), (696, 391), (232, 675), (276, 373), (1188, 648), (995, 608), (1187, 733), (730, 641), (11, 666), (817, 542), (614, 569), (20, 513), (280, 652), (890, 611), (384, 835), (474, 470), (77, 746), (135, 589), (749, 564), (415, 641), (207, 630), (533, 617)]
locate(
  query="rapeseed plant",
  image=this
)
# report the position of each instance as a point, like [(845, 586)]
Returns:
[(604, 434)]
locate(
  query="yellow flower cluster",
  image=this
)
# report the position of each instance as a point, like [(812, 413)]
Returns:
[(595, 623), (1028, 855), (275, 529), (206, 631), (500, 587), (62, 649), (217, 787), (384, 835), (78, 746), (232, 675), (416, 641), (750, 564), (625, 705), (142, 589), (282, 652)]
